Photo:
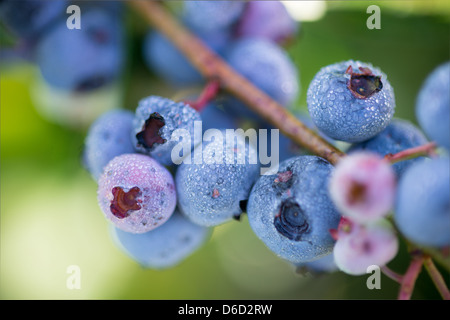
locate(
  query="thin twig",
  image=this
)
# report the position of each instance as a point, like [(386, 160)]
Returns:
[(212, 66), (437, 278)]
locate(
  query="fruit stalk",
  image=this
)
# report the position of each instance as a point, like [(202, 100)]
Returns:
[(392, 274), (437, 278), (423, 150), (213, 67), (410, 277)]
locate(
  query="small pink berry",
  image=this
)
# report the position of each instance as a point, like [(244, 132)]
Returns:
[(360, 246), (136, 193), (362, 186)]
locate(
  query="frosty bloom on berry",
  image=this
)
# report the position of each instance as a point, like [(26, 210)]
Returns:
[(156, 118), (360, 246), (210, 191), (351, 101), (136, 193), (362, 186)]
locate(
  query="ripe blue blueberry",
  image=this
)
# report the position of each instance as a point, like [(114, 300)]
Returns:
[(351, 101), (107, 137), (210, 191), (433, 105), (163, 58), (87, 58), (267, 19), (212, 15), (325, 264), (422, 210), (399, 135), (291, 210), (215, 117), (268, 67), (156, 118), (164, 247), (30, 18), (136, 193)]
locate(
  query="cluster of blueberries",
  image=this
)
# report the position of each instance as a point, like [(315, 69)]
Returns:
[(310, 213), (79, 71)]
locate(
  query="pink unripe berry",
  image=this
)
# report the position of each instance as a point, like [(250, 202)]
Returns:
[(136, 193), (361, 246), (362, 186)]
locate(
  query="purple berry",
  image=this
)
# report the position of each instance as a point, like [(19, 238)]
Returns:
[(212, 15), (363, 186), (361, 246), (267, 19), (136, 193)]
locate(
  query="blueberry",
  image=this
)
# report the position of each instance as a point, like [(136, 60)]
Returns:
[(107, 137), (156, 118), (351, 101), (211, 191), (268, 67), (325, 264), (136, 193), (422, 210), (86, 58), (267, 19), (31, 18), (212, 16), (166, 246), (163, 58), (291, 210), (399, 135), (215, 117), (433, 105), (360, 246)]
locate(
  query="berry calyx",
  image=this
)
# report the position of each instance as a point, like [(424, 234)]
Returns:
[(291, 221), (150, 132), (124, 201), (363, 85)]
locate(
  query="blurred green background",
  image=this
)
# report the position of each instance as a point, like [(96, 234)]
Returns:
[(49, 214)]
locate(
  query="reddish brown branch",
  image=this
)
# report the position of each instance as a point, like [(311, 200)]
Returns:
[(212, 66)]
